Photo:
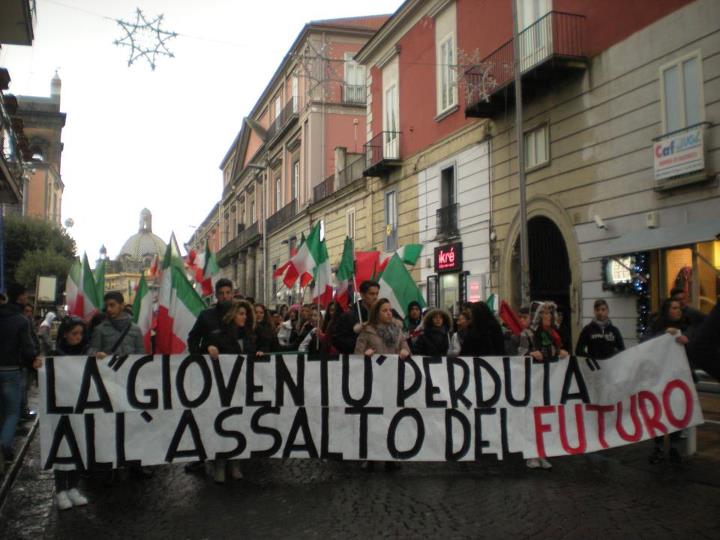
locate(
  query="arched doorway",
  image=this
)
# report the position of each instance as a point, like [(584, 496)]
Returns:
[(550, 274)]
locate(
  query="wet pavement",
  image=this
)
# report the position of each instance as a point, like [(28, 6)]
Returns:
[(612, 494)]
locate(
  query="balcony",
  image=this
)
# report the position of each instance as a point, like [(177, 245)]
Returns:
[(324, 188), (354, 94), (382, 154), (284, 120), (550, 49), (245, 237), (447, 221), (14, 150), (281, 217)]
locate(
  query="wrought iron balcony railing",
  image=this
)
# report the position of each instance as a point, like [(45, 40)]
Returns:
[(447, 220), (382, 153), (280, 217)]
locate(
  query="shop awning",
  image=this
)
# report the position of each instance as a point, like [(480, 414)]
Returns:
[(659, 238)]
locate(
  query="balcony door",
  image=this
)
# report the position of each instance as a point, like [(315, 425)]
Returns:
[(535, 31), (391, 121)]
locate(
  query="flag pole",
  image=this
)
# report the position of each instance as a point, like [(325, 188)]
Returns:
[(357, 304)]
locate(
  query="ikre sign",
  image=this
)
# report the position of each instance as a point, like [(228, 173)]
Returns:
[(448, 258)]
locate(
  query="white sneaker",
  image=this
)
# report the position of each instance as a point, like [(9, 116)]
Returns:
[(545, 464), (77, 498), (533, 463), (235, 472), (63, 501)]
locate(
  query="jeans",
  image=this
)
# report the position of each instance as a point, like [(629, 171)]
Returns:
[(65, 480), (10, 397)]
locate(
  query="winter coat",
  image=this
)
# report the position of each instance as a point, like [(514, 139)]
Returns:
[(344, 338), (599, 342), (232, 340), (267, 341), (370, 339), (433, 342), (207, 322), (483, 342), (548, 343), (16, 346), (106, 334)]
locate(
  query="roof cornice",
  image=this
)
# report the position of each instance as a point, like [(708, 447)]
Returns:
[(387, 30)]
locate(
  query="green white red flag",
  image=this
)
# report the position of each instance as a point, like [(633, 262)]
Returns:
[(322, 276), (210, 269), (99, 276), (143, 312), (303, 264), (73, 290), (398, 286), (178, 306), (88, 289), (345, 274)]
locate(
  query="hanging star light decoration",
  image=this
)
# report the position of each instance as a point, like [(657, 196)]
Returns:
[(145, 38)]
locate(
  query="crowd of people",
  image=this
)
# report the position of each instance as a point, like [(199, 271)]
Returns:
[(238, 325)]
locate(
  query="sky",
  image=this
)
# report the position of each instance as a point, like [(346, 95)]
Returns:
[(136, 138)]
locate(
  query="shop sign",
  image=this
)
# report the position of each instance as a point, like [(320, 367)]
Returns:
[(448, 258), (680, 153)]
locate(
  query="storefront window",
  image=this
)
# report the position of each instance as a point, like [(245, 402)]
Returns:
[(680, 272), (449, 292)]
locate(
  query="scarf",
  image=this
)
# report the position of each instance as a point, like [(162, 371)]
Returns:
[(121, 322), (602, 324), (389, 333)]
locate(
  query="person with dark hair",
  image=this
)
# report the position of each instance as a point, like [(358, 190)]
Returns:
[(382, 334), (694, 317), (457, 338), (117, 334), (329, 326), (435, 337), (236, 335), (541, 340), (670, 320), (71, 341), (350, 323), (414, 316), (17, 351), (484, 335), (209, 319), (704, 350), (267, 341), (599, 339)]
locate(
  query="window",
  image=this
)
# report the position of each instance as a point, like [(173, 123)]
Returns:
[(447, 95), (391, 147), (390, 221), (535, 43), (350, 222), (295, 179), (278, 192), (295, 93), (447, 213), (354, 80), (537, 147), (278, 108), (448, 186), (682, 98), (253, 217)]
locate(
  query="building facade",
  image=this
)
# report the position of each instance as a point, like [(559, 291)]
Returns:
[(284, 157)]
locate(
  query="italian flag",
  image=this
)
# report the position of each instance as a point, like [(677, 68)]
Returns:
[(308, 257), (322, 276), (344, 275), (91, 304), (99, 276), (398, 286), (73, 290), (178, 306), (210, 268), (143, 312), (293, 251), (408, 254)]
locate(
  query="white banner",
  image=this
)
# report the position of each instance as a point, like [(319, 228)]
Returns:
[(152, 409)]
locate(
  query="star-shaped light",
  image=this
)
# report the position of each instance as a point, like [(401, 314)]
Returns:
[(145, 38)]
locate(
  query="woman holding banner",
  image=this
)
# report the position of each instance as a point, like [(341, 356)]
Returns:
[(382, 334), (484, 336), (235, 336), (71, 341), (542, 341)]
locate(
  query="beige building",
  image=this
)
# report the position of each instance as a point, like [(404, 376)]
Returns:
[(615, 188)]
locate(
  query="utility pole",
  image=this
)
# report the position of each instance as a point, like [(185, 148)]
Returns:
[(520, 136)]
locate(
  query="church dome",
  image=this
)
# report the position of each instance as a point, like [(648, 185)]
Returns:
[(143, 245)]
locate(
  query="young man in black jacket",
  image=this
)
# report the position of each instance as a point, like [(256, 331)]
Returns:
[(349, 325), (600, 339), (17, 351), (210, 319)]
